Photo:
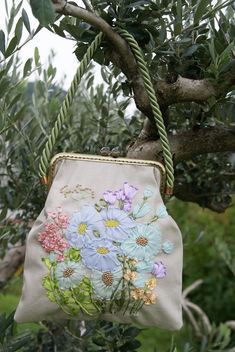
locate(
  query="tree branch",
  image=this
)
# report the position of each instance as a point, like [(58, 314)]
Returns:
[(10, 264), (187, 90), (188, 192), (187, 145), (182, 90), (120, 53)]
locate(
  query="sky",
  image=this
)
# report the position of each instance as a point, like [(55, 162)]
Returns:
[(65, 61)]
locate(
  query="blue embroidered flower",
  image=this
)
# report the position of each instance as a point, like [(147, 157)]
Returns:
[(144, 242), (101, 254), (141, 279), (148, 192), (117, 224), (161, 212), (141, 210), (167, 247), (69, 274), (82, 226), (106, 283), (145, 267)]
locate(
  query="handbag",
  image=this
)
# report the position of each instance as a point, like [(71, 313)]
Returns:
[(104, 246)]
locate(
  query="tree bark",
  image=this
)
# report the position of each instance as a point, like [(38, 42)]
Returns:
[(13, 259)]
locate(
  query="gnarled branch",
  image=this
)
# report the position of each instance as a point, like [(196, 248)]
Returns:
[(11, 263), (182, 90), (186, 145)]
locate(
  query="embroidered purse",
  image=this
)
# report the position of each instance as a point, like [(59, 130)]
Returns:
[(104, 246)]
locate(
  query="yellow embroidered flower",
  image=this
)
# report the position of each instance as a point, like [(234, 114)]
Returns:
[(149, 298), (151, 284), (137, 293), (133, 262), (130, 275)]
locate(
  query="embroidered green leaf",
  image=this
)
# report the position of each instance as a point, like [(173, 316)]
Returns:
[(51, 296), (74, 254), (47, 262), (48, 283)]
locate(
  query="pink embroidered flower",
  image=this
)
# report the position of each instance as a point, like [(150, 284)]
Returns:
[(51, 228), (60, 257), (52, 241), (59, 219)]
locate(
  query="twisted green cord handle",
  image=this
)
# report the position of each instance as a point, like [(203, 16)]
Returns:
[(155, 108), (63, 113)]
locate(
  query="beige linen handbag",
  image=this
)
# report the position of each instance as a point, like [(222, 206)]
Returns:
[(104, 246)]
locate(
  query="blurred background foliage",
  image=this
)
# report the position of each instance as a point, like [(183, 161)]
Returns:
[(175, 39)]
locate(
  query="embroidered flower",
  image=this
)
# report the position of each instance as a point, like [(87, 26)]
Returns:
[(137, 294), (159, 270), (151, 284), (144, 242), (167, 247), (140, 211), (127, 206), (69, 274), (101, 254), (106, 283), (143, 266), (140, 294), (148, 192), (52, 241), (117, 223), (141, 280), (110, 197), (161, 212), (59, 218), (126, 195), (149, 298), (130, 275), (82, 226)]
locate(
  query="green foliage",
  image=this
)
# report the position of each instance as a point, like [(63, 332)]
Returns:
[(43, 10)]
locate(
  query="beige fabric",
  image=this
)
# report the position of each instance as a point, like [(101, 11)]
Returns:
[(34, 304)]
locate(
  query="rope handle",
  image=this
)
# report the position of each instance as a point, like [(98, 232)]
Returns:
[(167, 155), (63, 113), (62, 116)]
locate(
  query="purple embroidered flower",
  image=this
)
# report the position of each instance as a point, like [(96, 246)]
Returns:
[(129, 191), (120, 194), (101, 254), (159, 270), (127, 206), (126, 195), (110, 197), (117, 224)]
